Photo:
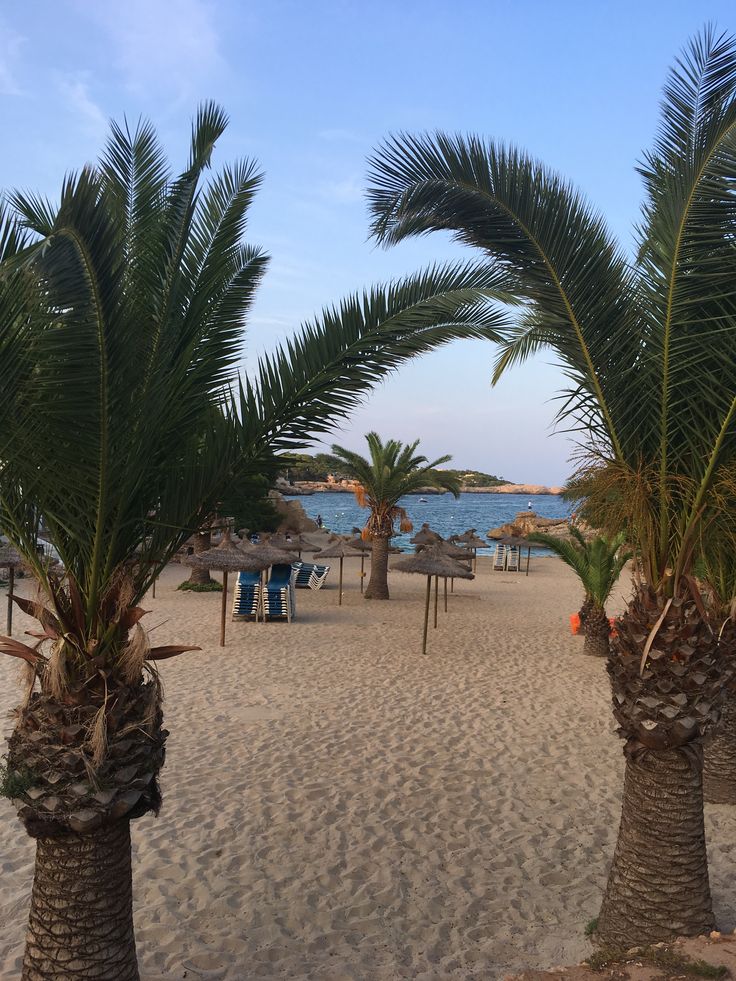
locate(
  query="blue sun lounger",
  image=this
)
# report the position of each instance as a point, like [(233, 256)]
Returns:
[(279, 597), (247, 601), (310, 575)]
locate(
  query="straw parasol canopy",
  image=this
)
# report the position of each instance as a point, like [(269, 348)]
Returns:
[(10, 560), (267, 554), (228, 557), (514, 541), (288, 542), (425, 536), (338, 550), (432, 562)]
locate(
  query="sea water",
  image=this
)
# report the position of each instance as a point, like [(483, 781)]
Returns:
[(444, 514)]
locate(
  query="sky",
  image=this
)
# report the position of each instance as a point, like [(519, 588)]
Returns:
[(311, 88)]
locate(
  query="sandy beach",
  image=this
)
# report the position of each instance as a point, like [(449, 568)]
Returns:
[(337, 806)]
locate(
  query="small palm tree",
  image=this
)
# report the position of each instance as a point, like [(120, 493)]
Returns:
[(597, 564), (648, 346), (392, 471), (122, 426)]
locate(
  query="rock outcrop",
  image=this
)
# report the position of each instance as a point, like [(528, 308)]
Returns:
[(527, 522), (530, 489), (292, 514)]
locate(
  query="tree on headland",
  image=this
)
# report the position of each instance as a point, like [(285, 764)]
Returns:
[(597, 564), (123, 425), (393, 470), (649, 349)]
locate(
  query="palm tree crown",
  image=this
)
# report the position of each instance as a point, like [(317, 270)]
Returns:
[(641, 343), (648, 348), (393, 470), (122, 316), (597, 563)]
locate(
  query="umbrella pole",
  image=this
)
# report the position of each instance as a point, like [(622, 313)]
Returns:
[(339, 598), (426, 615), (362, 567), (153, 596), (445, 594), (224, 608), (528, 553), (11, 582), (436, 590), (452, 584)]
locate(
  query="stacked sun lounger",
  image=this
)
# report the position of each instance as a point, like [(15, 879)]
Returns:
[(499, 558), (279, 596), (512, 561), (309, 575), (248, 596)]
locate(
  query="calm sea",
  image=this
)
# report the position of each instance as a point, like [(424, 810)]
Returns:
[(340, 512)]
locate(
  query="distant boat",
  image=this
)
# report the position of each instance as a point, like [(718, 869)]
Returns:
[(423, 500)]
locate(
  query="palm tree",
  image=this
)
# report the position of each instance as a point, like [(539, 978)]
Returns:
[(393, 470), (649, 349), (122, 425), (718, 569), (597, 564)]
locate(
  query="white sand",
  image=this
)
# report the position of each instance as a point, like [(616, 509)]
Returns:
[(337, 806)]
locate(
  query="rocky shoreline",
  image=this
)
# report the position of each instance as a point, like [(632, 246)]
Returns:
[(307, 487)]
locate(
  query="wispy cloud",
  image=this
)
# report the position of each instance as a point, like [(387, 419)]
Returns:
[(10, 48), (75, 93), (171, 46), (347, 191)]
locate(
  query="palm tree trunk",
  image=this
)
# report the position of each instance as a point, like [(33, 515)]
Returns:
[(81, 921), (597, 632), (584, 612), (202, 541), (377, 587), (719, 767), (658, 885)]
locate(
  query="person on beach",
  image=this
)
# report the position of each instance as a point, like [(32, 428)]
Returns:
[(319, 520)]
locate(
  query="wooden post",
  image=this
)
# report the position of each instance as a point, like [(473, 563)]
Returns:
[(452, 584), (362, 573), (426, 615), (445, 594), (339, 598), (528, 553), (11, 583), (153, 588), (436, 590), (224, 608)]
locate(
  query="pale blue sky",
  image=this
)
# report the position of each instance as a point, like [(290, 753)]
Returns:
[(311, 87)]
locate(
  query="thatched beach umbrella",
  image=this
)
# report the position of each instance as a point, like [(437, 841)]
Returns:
[(425, 536), (460, 555), (10, 560), (338, 550), (290, 543), (513, 541), (226, 558), (268, 554), (470, 540), (432, 562), (361, 546)]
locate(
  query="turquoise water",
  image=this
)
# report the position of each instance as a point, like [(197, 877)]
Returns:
[(340, 512)]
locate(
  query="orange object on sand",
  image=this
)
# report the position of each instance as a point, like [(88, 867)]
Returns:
[(612, 621), (574, 623)]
